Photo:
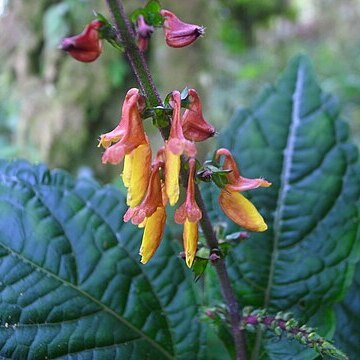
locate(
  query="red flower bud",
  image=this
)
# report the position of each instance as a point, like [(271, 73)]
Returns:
[(86, 46), (177, 33), (143, 32), (195, 127)]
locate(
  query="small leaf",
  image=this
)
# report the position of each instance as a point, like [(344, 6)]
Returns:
[(151, 13)]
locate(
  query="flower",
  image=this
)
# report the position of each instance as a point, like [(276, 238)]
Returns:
[(85, 47), (131, 145), (129, 134), (150, 214), (195, 127), (177, 33), (175, 146), (236, 206), (189, 214), (143, 33)]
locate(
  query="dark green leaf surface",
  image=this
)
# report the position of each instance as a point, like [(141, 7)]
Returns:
[(71, 285), (293, 136), (347, 336)]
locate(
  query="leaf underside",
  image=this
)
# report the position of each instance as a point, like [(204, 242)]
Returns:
[(293, 136), (71, 285)]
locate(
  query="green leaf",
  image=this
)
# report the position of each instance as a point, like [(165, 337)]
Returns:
[(294, 137), (71, 284), (347, 335), (151, 13)]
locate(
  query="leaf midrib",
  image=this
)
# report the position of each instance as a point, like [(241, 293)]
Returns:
[(284, 188)]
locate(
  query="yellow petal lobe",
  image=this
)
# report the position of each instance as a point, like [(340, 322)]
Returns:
[(172, 170), (153, 232), (126, 175), (241, 211), (139, 174), (190, 238)]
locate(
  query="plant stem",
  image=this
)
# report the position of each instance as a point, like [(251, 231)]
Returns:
[(143, 76)]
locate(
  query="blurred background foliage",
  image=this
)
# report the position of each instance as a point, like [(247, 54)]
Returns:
[(53, 109)]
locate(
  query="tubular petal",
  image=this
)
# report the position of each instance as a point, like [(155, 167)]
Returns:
[(154, 229), (190, 239), (129, 133), (241, 211), (139, 174), (172, 170), (235, 181), (189, 209)]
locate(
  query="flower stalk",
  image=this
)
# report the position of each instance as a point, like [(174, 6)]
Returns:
[(143, 76)]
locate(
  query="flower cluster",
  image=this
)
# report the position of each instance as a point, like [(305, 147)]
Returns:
[(151, 184), (87, 46)]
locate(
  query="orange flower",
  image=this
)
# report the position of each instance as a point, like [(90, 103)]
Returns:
[(236, 206), (129, 134), (177, 33), (189, 214), (150, 214), (195, 127), (175, 146), (85, 47), (131, 144)]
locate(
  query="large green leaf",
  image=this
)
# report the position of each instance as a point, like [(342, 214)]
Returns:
[(347, 336), (293, 136), (71, 285)]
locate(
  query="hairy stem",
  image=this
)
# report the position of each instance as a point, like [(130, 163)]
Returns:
[(143, 76)]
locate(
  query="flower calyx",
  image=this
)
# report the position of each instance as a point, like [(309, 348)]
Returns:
[(195, 127), (178, 33), (87, 46)]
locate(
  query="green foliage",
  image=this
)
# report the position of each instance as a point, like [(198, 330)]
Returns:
[(71, 284), (151, 13), (294, 137)]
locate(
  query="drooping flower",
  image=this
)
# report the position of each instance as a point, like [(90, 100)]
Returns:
[(177, 33), (236, 206), (87, 46), (189, 214), (150, 214), (128, 141), (195, 127), (175, 146), (143, 33)]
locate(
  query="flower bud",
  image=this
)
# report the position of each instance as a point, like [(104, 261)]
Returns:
[(85, 47), (143, 32), (177, 33)]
